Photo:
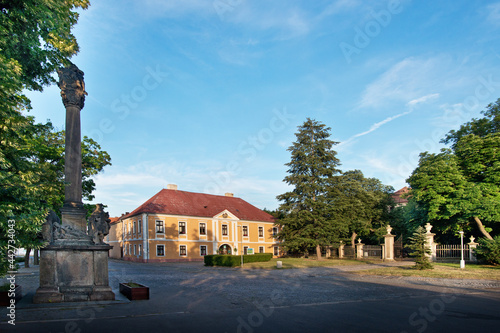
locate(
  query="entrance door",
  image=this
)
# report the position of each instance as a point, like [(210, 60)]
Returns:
[(225, 249)]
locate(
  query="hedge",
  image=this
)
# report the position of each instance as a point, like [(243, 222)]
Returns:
[(235, 260)]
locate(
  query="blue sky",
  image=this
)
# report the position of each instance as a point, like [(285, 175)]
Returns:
[(207, 94)]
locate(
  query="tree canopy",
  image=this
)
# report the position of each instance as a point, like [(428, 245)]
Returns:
[(35, 40), (461, 184), (313, 164)]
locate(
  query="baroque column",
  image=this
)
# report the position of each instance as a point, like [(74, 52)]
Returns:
[(73, 95)]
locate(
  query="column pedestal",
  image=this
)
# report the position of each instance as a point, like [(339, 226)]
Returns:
[(74, 273)]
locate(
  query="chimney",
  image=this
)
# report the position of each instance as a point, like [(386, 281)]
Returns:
[(172, 187), (229, 195)]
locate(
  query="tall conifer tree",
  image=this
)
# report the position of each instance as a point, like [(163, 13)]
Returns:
[(311, 169)]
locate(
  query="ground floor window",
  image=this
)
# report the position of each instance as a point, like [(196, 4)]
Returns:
[(135, 249), (245, 250), (182, 250), (160, 250), (140, 249), (276, 251), (261, 249), (203, 250)]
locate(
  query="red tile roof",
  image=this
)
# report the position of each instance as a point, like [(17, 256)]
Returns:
[(174, 202), (398, 195)]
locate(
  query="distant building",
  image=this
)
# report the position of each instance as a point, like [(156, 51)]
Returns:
[(398, 196), (185, 226)]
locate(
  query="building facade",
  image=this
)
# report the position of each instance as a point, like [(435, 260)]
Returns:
[(177, 226)]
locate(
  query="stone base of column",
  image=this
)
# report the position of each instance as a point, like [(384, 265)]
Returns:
[(74, 273), (75, 217)]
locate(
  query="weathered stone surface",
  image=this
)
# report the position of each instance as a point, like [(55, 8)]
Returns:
[(73, 273)]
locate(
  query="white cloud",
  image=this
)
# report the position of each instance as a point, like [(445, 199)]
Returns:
[(404, 81), (493, 13), (411, 105)]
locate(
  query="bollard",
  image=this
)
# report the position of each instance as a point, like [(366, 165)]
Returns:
[(279, 264)]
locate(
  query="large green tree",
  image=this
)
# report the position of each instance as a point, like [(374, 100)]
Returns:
[(360, 205), (35, 39), (313, 164), (460, 186)]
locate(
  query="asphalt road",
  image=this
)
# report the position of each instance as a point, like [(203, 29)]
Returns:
[(193, 298)]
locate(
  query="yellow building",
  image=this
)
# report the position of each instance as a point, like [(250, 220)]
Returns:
[(185, 226)]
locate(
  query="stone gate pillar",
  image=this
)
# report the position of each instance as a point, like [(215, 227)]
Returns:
[(472, 248), (341, 250), (430, 242), (359, 249), (388, 245)]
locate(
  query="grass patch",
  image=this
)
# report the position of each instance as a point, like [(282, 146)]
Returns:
[(441, 270), (301, 263)]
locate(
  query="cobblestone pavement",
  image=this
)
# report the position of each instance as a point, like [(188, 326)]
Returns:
[(193, 288)]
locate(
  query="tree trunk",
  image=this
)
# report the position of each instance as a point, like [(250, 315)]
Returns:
[(318, 252), (482, 229), (36, 258), (27, 258), (353, 239)]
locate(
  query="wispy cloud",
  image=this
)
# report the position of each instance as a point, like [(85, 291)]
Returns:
[(493, 13), (404, 81), (411, 107)]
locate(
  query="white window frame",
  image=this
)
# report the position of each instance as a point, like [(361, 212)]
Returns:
[(276, 251), (139, 226), (204, 227), (184, 227), (163, 227), (227, 230), (261, 249), (206, 250), (261, 232), (158, 246), (245, 227), (185, 247)]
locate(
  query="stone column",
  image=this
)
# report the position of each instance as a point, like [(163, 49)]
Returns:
[(430, 241), (388, 245), (328, 252), (341, 250), (73, 96), (472, 247), (359, 249)]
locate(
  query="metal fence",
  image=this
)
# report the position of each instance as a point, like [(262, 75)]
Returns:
[(349, 252), (452, 252), (372, 251)]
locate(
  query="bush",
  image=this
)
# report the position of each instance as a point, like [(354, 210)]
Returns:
[(489, 250), (258, 257), (234, 260), (418, 243)]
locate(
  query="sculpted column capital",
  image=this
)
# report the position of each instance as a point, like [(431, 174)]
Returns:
[(72, 86)]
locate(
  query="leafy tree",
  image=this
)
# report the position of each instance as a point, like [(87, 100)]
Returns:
[(489, 124), (360, 205), (35, 39), (457, 187), (489, 250), (313, 164), (421, 250)]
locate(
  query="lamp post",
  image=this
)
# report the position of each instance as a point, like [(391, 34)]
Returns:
[(462, 261)]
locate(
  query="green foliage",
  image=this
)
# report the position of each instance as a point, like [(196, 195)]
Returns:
[(361, 205), (306, 222), (418, 243), (235, 260), (461, 185), (257, 257), (35, 40), (489, 124), (489, 250)]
